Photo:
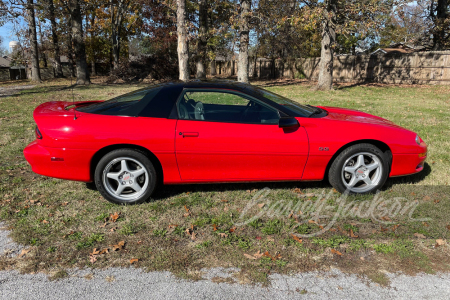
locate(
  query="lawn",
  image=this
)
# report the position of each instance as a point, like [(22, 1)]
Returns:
[(186, 228)]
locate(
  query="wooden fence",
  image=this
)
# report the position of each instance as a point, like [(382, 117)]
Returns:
[(414, 68)]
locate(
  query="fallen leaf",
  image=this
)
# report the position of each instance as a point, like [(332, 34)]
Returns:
[(333, 229), (225, 208), (173, 226), (419, 236), (193, 235), (66, 235), (113, 217), (187, 209), (139, 242), (224, 201), (425, 224), (95, 252), (312, 222), (362, 258), (186, 215), (113, 229), (45, 221), (448, 227), (383, 229), (223, 235), (261, 205), (298, 191), (249, 256), (133, 260), (119, 246), (214, 227), (426, 198), (394, 228), (336, 252), (24, 252), (270, 239), (258, 237), (104, 225), (297, 238), (92, 259), (385, 218), (64, 203), (258, 254), (437, 201), (104, 251), (232, 229), (352, 234), (439, 242)]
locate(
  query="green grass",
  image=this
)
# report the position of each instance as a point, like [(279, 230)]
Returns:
[(63, 221)]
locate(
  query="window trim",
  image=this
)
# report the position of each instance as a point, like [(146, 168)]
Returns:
[(228, 91)]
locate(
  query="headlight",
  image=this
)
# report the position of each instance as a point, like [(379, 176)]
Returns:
[(417, 140)]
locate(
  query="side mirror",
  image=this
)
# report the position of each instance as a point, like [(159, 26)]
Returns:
[(288, 122)]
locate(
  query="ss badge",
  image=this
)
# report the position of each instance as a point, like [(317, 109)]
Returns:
[(324, 149)]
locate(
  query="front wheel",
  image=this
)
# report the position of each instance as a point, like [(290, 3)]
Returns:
[(125, 176), (359, 169)]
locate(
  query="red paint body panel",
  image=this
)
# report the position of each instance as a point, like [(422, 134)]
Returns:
[(214, 151), (225, 151)]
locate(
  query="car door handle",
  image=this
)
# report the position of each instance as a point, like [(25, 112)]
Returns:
[(189, 134)]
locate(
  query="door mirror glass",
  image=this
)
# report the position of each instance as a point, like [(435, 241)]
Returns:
[(288, 122)]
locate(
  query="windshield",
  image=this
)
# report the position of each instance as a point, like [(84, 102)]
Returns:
[(293, 106)]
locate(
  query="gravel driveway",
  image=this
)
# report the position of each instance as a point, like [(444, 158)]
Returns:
[(131, 283)]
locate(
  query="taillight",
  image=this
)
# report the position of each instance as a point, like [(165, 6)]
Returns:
[(38, 133)]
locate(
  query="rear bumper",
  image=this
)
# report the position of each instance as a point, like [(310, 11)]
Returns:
[(407, 164), (70, 164)]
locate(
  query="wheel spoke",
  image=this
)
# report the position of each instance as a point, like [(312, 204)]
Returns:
[(120, 189), (353, 181), (350, 169), (138, 173), (372, 167), (367, 181), (124, 166), (114, 176), (136, 187), (360, 161)]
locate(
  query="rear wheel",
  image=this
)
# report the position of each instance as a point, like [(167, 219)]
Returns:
[(359, 169), (125, 176)]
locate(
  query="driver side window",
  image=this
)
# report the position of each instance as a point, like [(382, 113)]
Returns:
[(216, 106)]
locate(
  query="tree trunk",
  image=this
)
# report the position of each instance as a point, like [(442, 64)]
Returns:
[(328, 40), (42, 52), (51, 15), (79, 44), (70, 50), (183, 49), (35, 71), (202, 39), (212, 70), (244, 40), (439, 24), (93, 69)]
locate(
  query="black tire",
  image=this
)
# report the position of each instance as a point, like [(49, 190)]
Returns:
[(336, 174), (140, 161)]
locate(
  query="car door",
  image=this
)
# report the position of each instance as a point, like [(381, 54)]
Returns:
[(225, 135)]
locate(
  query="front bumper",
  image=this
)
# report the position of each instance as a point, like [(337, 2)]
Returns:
[(70, 164), (407, 164)]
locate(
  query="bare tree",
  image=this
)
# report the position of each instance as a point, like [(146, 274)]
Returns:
[(51, 16), (79, 43), (118, 10), (328, 41), (244, 36), (202, 39), (183, 48), (439, 15), (35, 70)]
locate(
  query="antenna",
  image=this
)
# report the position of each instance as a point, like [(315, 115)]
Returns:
[(73, 98)]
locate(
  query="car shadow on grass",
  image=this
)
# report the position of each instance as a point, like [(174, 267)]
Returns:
[(411, 179)]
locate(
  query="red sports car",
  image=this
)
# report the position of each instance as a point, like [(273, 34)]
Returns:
[(205, 132)]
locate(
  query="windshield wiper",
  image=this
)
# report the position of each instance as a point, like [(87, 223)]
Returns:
[(317, 110)]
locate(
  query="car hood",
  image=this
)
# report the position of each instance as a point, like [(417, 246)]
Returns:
[(356, 116)]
